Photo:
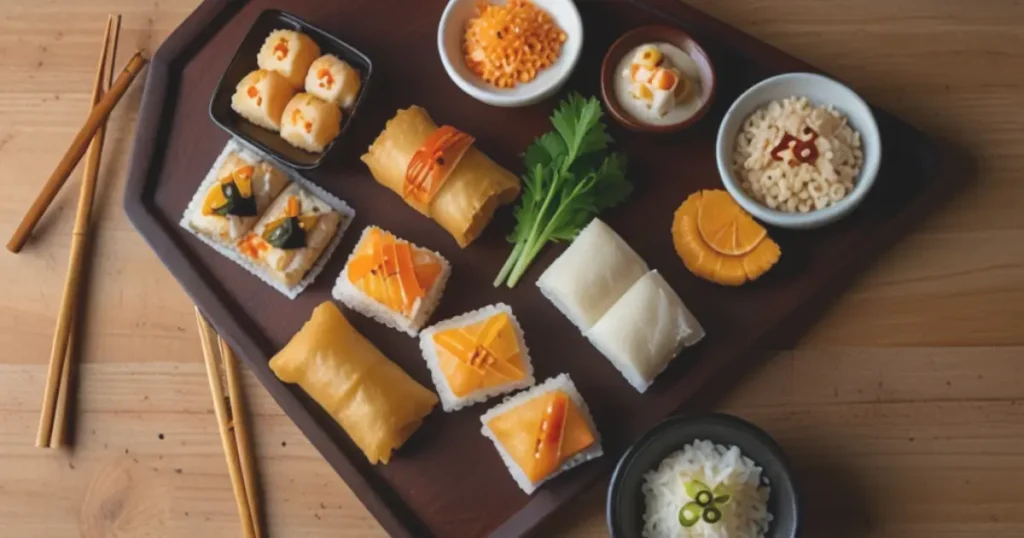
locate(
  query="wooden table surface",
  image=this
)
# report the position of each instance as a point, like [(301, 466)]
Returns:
[(903, 411)]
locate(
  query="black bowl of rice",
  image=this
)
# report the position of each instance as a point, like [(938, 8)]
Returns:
[(708, 476)]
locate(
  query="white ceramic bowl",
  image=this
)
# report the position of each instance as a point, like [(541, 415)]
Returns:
[(820, 90), (449, 44)]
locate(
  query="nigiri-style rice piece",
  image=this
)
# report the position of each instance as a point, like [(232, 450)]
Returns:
[(310, 123), (290, 53), (333, 80), (261, 97), (476, 356), (393, 281), (542, 432), (596, 269), (644, 330)]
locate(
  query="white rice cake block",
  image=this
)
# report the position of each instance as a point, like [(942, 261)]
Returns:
[(495, 358), (333, 80), (597, 268), (310, 123), (290, 53), (261, 97), (233, 166), (408, 322), (644, 330), (316, 220), (563, 383)]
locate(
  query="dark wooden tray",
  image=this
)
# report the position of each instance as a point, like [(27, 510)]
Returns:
[(448, 480)]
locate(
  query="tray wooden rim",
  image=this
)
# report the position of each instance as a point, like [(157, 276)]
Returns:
[(397, 519)]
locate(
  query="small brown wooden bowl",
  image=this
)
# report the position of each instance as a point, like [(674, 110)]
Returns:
[(655, 34)]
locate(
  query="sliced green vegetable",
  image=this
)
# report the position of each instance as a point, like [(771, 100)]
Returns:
[(722, 494), (712, 515), (286, 233), (235, 203), (689, 514), (693, 487), (704, 498)]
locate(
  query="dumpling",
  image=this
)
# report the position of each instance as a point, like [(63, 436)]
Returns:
[(596, 269), (261, 97), (310, 123), (334, 81), (644, 330), (290, 53)]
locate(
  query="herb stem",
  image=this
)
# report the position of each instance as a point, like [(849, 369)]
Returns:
[(509, 263)]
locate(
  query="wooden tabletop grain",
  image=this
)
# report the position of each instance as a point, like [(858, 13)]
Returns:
[(903, 410)]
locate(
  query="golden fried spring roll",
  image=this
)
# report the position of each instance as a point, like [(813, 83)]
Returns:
[(377, 404), (470, 192)]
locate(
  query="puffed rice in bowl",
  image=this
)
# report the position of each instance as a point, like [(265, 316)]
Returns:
[(798, 150)]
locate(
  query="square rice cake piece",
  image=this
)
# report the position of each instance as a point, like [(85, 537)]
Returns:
[(476, 356), (290, 237), (231, 198), (392, 280), (542, 432)]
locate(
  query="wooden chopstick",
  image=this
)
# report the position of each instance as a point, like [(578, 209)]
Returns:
[(238, 419), (53, 413), (100, 111), (227, 438), (81, 234)]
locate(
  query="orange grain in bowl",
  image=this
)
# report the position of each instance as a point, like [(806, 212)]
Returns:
[(507, 45)]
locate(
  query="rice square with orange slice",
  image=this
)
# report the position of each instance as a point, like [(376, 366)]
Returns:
[(542, 432), (392, 280), (476, 356)]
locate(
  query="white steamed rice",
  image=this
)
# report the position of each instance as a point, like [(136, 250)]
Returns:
[(746, 514)]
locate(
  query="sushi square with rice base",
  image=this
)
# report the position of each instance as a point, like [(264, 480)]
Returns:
[(290, 237), (477, 356), (542, 432), (629, 313), (236, 193), (392, 281)]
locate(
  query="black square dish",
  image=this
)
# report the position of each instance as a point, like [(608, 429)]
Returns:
[(244, 62)]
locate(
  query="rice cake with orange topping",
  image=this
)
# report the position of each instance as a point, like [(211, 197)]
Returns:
[(476, 356), (392, 280), (542, 432)]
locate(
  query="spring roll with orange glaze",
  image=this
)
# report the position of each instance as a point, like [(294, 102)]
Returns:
[(439, 172), (377, 404)]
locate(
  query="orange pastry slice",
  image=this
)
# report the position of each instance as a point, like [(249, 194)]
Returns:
[(481, 355), (719, 241), (392, 272), (541, 434)]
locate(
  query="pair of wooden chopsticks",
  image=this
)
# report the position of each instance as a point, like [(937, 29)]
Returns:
[(234, 435), (105, 93), (103, 104)]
